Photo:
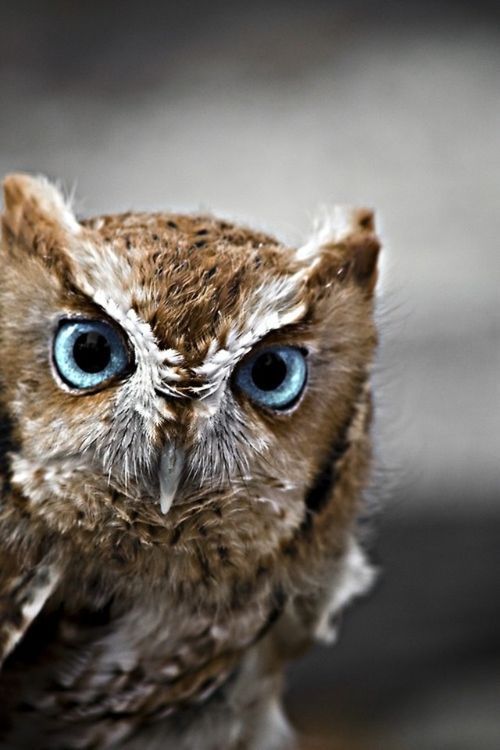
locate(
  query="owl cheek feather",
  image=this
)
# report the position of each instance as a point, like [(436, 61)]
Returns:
[(37, 219)]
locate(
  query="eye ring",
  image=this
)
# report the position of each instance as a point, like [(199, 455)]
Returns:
[(273, 377), (88, 354)]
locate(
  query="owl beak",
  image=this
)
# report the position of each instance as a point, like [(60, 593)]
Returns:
[(171, 465)]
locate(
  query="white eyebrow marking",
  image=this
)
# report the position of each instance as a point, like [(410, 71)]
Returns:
[(108, 279), (166, 363), (271, 307)]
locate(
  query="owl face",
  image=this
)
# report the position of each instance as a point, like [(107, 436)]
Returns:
[(159, 367)]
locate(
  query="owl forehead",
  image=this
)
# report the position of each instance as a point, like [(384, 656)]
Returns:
[(196, 281)]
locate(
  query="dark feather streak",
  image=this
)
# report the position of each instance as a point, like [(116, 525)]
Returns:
[(324, 482)]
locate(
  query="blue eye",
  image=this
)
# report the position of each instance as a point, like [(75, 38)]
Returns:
[(273, 377), (88, 353)]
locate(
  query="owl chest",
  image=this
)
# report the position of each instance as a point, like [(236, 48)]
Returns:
[(94, 679)]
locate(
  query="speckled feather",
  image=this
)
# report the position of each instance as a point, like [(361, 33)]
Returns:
[(167, 544)]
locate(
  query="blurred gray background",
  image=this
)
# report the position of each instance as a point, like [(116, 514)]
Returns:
[(265, 112)]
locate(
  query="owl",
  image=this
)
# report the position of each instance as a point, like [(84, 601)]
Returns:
[(185, 447)]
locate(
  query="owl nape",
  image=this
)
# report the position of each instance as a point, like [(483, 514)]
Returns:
[(185, 451)]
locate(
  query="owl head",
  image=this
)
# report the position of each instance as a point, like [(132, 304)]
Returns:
[(167, 378)]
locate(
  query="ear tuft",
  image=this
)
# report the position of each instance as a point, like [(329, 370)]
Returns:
[(334, 226), (344, 241), (365, 250), (33, 204)]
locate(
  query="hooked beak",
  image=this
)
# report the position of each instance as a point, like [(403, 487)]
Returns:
[(171, 465)]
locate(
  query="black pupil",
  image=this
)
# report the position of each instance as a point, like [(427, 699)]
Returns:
[(92, 352), (269, 372)]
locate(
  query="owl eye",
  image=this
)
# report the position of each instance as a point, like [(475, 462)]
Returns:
[(88, 353), (273, 377)]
